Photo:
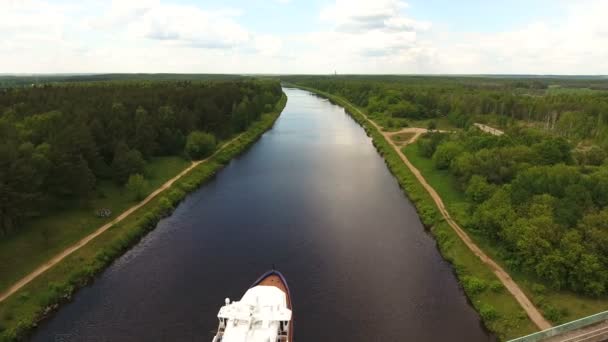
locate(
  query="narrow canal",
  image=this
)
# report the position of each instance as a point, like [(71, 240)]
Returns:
[(312, 197)]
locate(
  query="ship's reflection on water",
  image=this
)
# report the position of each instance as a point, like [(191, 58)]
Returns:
[(312, 197)]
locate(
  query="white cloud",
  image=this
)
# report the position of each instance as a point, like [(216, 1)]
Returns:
[(358, 36), (175, 24), (357, 16), (365, 37), (576, 45), (370, 29)]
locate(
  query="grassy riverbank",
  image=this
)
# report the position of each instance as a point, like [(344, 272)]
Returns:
[(20, 312), (500, 312), (558, 306), (50, 234)]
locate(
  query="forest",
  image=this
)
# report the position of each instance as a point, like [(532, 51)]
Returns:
[(538, 193), (542, 202), (57, 141), (574, 108)]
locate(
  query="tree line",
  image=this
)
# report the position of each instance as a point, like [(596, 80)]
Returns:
[(569, 112), (58, 140)]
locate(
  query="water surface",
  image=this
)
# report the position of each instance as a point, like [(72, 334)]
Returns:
[(312, 197)]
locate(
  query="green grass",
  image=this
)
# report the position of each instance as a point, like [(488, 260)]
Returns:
[(20, 312), (557, 306), (402, 138), (441, 180), (390, 124), (507, 319), (43, 237), (442, 123)]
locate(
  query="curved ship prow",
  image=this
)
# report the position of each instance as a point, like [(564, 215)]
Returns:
[(263, 314)]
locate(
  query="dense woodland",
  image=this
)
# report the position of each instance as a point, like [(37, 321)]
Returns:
[(536, 193), (573, 108), (544, 204), (57, 141)]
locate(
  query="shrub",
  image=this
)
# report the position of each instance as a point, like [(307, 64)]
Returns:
[(165, 205), (487, 312), (496, 286), (200, 145), (176, 195), (47, 298), (552, 313), (539, 289), (136, 186), (445, 153), (473, 285)]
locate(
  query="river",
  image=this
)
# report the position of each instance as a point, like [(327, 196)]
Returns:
[(312, 197)]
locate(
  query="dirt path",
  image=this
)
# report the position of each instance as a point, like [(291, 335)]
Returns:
[(500, 273), (56, 259), (489, 129)]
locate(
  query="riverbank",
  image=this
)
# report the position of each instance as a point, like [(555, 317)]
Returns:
[(52, 233), (500, 312), (20, 312)]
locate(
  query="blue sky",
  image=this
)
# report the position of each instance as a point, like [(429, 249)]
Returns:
[(486, 16), (297, 36)]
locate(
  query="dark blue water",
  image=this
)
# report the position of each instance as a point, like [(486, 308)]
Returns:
[(312, 197)]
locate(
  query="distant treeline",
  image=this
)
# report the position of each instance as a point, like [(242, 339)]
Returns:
[(56, 141), (30, 80), (569, 107)]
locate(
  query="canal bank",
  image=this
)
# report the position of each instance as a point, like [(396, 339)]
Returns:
[(54, 283)]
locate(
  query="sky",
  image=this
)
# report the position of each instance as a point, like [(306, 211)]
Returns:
[(305, 36)]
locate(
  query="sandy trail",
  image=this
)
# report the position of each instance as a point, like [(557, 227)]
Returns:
[(57, 258), (489, 129), (500, 273)]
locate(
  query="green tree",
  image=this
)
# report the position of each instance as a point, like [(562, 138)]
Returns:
[(241, 115), (126, 162), (137, 186), (595, 156), (594, 227), (428, 144), (478, 189), (445, 153), (200, 145), (145, 132), (553, 151), (495, 214)]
